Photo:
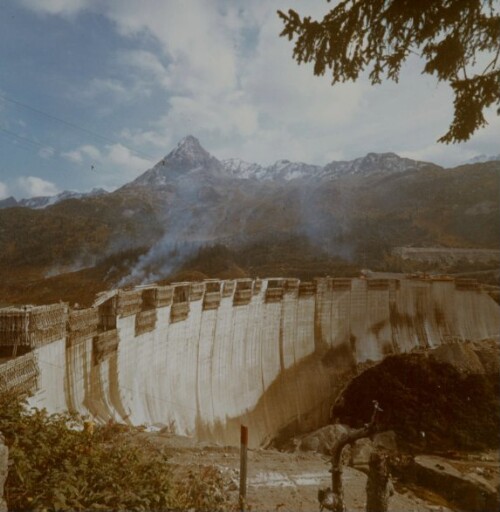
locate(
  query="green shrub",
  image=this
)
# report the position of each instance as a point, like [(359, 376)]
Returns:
[(56, 464)]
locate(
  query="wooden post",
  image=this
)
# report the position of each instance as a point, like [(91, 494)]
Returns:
[(243, 467)]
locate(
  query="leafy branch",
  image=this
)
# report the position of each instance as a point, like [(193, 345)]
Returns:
[(452, 37)]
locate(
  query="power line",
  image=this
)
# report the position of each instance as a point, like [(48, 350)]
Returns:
[(23, 138), (20, 144), (76, 127)]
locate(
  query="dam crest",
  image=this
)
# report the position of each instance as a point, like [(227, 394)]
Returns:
[(203, 357)]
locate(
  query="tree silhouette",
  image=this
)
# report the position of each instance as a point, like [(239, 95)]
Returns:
[(459, 41)]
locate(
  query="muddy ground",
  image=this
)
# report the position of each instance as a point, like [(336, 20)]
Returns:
[(280, 481)]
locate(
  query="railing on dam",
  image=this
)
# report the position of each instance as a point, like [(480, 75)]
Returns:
[(19, 375)]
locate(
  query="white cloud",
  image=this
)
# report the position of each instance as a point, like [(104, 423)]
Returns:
[(228, 117), (195, 38), (113, 164), (85, 152), (58, 7), (122, 157), (98, 86), (147, 64), (4, 190), (31, 186), (117, 91), (74, 156), (90, 151), (224, 93), (228, 78)]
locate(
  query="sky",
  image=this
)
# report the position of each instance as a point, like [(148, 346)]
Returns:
[(93, 93)]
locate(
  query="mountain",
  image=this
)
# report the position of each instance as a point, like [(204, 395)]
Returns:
[(40, 202), (268, 215), (284, 170), (189, 157), (387, 163), (237, 168), (8, 202), (483, 158)]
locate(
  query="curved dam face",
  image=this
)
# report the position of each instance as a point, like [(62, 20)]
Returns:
[(204, 357)]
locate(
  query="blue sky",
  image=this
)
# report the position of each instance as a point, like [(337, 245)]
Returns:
[(115, 84)]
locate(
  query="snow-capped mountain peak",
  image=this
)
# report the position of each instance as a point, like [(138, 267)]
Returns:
[(186, 158), (370, 163), (237, 168), (287, 170), (189, 148), (282, 170), (189, 161)]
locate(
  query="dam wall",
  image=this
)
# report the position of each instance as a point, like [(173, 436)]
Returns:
[(201, 358)]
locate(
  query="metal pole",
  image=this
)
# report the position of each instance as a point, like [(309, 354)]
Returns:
[(243, 467)]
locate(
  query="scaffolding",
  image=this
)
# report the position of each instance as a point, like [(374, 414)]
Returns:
[(257, 286), (20, 375), (82, 325), (32, 326), (164, 295), (180, 303), (145, 321), (179, 311), (243, 293), (464, 284), (228, 288), (14, 327), (307, 289), (211, 300), (104, 345), (274, 291), (148, 298), (212, 297), (291, 285), (196, 291), (341, 283), (129, 302), (377, 284)]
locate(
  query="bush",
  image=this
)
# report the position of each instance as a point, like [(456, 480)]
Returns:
[(56, 464)]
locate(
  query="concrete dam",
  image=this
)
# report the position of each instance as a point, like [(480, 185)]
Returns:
[(202, 358)]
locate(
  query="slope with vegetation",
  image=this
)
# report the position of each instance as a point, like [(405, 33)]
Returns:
[(304, 221)]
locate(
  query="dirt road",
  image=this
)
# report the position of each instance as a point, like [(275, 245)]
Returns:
[(283, 481)]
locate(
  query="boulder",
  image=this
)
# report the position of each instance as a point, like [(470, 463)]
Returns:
[(360, 452), (386, 440), (471, 492), (322, 440)]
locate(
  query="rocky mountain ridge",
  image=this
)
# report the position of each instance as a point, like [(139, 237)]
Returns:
[(483, 158), (190, 157), (39, 202)]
